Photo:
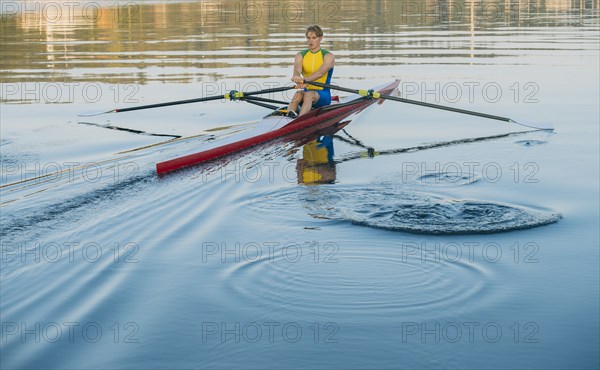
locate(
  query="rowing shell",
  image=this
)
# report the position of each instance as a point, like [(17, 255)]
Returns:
[(274, 126)]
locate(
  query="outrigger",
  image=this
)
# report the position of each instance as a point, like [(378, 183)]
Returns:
[(279, 125)]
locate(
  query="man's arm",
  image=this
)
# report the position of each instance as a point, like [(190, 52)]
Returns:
[(297, 65)]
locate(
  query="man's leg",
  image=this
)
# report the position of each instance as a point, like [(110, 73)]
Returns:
[(310, 97), (298, 96)]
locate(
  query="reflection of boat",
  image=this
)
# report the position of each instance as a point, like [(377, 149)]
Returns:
[(276, 126)]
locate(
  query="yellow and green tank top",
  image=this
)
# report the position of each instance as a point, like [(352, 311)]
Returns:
[(311, 63)]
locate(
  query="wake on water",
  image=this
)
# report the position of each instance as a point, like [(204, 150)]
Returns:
[(391, 207), (380, 205), (427, 214)]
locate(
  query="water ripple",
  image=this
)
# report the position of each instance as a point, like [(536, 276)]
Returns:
[(445, 178), (382, 282), (530, 142), (390, 207)]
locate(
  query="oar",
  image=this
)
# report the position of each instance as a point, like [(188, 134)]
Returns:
[(376, 95), (232, 95), (371, 152)]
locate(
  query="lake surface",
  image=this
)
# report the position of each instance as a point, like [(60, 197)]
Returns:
[(433, 240)]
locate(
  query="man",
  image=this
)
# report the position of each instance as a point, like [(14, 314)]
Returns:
[(313, 64)]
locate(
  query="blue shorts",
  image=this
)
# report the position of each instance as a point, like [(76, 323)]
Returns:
[(324, 98)]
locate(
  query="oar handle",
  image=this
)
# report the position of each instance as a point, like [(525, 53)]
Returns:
[(367, 93), (268, 91), (333, 87)]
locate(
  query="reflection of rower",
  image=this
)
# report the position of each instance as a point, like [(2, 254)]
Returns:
[(317, 165)]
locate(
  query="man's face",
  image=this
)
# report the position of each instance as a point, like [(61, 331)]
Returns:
[(313, 41)]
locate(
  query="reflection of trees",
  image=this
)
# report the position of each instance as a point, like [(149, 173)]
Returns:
[(137, 42)]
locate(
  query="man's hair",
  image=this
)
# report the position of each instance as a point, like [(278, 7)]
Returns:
[(316, 29)]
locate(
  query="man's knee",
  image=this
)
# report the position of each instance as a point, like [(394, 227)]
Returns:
[(309, 97)]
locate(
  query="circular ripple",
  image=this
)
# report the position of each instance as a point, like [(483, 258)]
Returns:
[(530, 142), (448, 178), (433, 215), (387, 206), (375, 284)]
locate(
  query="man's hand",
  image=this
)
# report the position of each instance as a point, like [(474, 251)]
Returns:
[(298, 80)]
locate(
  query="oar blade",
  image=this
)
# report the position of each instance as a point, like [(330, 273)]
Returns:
[(539, 126), (96, 113)]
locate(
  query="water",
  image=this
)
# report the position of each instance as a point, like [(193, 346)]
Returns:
[(434, 240)]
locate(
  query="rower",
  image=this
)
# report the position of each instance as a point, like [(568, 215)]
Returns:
[(313, 64)]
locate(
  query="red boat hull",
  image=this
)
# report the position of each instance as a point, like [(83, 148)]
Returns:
[(318, 119)]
